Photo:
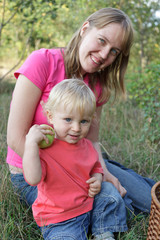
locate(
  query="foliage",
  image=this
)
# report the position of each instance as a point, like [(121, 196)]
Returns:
[(146, 25), (144, 91), (38, 15), (47, 23)]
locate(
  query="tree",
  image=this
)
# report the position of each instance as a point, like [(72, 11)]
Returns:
[(147, 27), (20, 22), (29, 25)]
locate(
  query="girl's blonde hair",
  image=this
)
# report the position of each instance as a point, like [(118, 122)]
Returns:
[(112, 77), (73, 95)]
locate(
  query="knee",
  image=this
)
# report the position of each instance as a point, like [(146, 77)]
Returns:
[(109, 195), (109, 190)]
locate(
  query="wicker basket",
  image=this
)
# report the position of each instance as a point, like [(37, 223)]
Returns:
[(154, 220)]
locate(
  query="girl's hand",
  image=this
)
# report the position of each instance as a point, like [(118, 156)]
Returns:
[(108, 177)]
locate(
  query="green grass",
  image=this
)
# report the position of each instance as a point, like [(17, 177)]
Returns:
[(121, 135)]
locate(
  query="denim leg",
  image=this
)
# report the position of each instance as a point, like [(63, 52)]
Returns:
[(138, 198), (72, 229), (109, 212), (26, 193)]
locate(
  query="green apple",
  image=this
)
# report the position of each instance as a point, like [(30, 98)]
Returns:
[(43, 143)]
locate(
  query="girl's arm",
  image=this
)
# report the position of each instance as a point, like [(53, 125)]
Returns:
[(93, 135), (25, 99)]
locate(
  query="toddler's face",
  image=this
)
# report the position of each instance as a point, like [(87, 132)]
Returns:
[(70, 126)]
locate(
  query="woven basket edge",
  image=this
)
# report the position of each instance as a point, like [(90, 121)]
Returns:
[(154, 197)]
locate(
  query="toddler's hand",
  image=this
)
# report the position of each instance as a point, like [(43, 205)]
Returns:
[(94, 186), (37, 133)]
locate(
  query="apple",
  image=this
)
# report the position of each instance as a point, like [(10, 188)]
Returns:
[(43, 143)]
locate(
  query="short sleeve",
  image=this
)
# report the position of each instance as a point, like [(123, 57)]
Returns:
[(35, 68)]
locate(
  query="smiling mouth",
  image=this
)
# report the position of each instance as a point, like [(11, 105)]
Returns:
[(73, 136), (95, 61)]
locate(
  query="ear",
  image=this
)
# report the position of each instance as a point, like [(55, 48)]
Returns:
[(85, 26), (49, 117)]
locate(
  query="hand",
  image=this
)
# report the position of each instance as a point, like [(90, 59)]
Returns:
[(38, 133), (108, 177), (94, 186)]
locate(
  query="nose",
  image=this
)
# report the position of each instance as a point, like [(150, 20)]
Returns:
[(76, 127), (104, 53)]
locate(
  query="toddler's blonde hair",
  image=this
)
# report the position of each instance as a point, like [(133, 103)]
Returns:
[(73, 95)]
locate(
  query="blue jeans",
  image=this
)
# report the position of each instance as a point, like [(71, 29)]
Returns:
[(26, 193), (138, 197), (72, 229), (108, 214)]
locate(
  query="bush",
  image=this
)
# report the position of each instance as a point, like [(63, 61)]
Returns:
[(144, 91)]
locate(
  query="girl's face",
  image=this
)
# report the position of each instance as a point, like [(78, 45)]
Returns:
[(99, 47)]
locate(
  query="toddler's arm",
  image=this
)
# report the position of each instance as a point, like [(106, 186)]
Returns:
[(94, 184), (31, 161)]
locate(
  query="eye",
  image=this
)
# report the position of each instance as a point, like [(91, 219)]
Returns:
[(84, 121), (67, 119), (114, 52), (101, 41)]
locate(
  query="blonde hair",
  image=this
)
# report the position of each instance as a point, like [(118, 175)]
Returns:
[(112, 77), (72, 94)]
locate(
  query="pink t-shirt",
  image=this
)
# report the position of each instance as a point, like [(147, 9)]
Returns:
[(63, 191), (45, 68)]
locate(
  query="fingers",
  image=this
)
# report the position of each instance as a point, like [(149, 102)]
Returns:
[(38, 133), (94, 186), (120, 188), (94, 183), (44, 129), (93, 192), (112, 179), (91, 180), (122, 191)]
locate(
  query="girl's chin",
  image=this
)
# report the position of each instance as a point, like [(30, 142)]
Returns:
[(91, 68), (89, 71)]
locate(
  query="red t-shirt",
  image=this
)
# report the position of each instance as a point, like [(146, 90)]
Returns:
[(63, 191)]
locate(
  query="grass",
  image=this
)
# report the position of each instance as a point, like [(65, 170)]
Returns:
[(120, 134)]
